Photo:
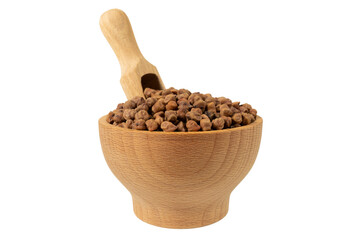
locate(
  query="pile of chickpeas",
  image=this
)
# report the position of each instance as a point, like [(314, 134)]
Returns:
[(173, 110)]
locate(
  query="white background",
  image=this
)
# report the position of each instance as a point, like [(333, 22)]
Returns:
[(296, 62)]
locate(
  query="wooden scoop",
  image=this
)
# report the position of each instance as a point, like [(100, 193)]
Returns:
[(136, 72)]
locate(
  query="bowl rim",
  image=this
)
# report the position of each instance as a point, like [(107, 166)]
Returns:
[(259, 120)]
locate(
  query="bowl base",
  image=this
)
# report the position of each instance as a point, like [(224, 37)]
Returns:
[(190, 217)]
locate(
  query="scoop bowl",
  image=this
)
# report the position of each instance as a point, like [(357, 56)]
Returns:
[(180, 179)]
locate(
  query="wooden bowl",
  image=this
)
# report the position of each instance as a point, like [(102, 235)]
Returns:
[(180, 179)]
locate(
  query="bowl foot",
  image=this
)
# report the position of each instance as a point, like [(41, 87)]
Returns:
[(190, 217)]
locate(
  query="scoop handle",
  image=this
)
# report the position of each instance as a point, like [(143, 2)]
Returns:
[(117, 29)]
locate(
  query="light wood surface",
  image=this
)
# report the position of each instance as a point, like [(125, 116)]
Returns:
[(136, 72), (180, 180)]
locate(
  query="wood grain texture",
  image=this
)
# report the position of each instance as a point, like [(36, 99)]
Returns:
[(180, 180), (136, 72)]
